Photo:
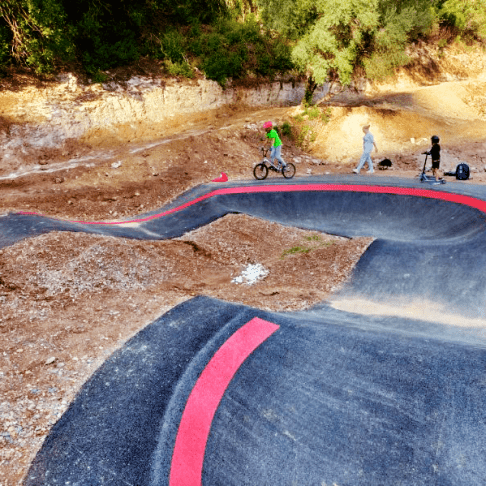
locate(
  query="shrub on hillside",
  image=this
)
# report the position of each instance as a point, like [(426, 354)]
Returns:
[(173, 46), (233, 50), (468, 17)]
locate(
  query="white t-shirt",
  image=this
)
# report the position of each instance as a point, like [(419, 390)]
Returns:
[(368, 141)]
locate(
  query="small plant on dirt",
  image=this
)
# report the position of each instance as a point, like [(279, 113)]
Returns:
[(295, 249), (99, 77), (312, 112), (442, 43), (315, 242), (182, 69), (306, 136), (286, 129), (326, 115)]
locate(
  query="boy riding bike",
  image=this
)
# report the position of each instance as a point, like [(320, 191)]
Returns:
[(273, 140)]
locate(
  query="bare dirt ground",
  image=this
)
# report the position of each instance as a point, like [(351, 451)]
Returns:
[(69, 300)]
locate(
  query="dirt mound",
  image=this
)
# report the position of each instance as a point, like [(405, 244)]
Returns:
[(70, 299)]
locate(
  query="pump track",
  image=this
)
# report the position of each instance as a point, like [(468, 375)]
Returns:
[(214, 393)]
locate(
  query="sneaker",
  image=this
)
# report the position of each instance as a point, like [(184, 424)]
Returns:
[(356, 171), (370, 171)]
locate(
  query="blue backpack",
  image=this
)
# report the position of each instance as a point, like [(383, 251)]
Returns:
[(462, 172)]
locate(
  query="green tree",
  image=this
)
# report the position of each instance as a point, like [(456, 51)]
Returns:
[(100, 34), (330, 34), (38, 32), (468, 16), (400, 22), (332, 37)]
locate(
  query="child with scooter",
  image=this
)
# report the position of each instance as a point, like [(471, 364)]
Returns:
[(434, 153)]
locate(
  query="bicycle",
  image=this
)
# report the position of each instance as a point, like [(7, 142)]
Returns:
[(260, 170)]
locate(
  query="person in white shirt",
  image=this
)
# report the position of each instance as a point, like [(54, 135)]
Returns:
[(368, 144)]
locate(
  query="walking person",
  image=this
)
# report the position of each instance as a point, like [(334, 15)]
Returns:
[(368, 144)]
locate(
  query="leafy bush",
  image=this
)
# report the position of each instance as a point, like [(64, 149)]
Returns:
[(5, 41), (179, 69), (233, 50), (173, 46), (99, 77), (381, 65), (287, 129), (38, 33), (468, 17), (220, 67), (102, 54)]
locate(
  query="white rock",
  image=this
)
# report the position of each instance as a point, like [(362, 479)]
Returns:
[(251, 274)]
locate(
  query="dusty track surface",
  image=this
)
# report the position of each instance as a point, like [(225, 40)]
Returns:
[(70, 300)]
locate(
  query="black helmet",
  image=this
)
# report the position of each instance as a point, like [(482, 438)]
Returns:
[(435, 139)]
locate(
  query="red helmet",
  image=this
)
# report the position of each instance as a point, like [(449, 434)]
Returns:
[(268, 124)]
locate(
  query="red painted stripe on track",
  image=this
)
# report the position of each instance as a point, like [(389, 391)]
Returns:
[(193, 433), (402, 191)]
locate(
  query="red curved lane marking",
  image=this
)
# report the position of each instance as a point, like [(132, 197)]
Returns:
[(141, 220), (193, 433), (402, 191)]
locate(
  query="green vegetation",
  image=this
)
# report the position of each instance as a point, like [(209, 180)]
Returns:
[(335, 38), (220, 38), (311, 243), (308, 123), (325, 40), (286, 129)]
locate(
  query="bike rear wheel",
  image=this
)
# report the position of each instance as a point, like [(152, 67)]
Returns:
[(288, 171), (260, 171)]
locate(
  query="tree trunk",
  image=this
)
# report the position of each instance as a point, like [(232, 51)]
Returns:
[(309, 90)]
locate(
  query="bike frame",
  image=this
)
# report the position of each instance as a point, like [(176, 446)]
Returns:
[(267, 161)]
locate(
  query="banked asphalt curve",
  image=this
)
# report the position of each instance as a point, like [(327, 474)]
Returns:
[(215, 393)]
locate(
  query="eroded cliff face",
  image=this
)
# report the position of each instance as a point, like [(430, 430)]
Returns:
[(41, 123), (69, 121)]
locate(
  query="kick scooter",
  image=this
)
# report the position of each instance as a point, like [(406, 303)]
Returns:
[(423, 177)]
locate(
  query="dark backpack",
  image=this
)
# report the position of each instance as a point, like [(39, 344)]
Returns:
[(462, 172)]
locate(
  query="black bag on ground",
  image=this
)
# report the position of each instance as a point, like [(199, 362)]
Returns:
[(462, 172), (384, 164)]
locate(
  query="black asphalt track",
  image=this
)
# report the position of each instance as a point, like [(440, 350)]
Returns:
[(331, 397)]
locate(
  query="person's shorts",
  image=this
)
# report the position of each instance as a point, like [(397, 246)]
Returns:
[(435, 164)]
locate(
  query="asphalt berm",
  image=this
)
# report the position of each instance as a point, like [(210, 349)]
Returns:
[(330, 395)]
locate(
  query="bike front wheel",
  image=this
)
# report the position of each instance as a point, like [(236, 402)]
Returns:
[(288, 171), (260, 171)]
